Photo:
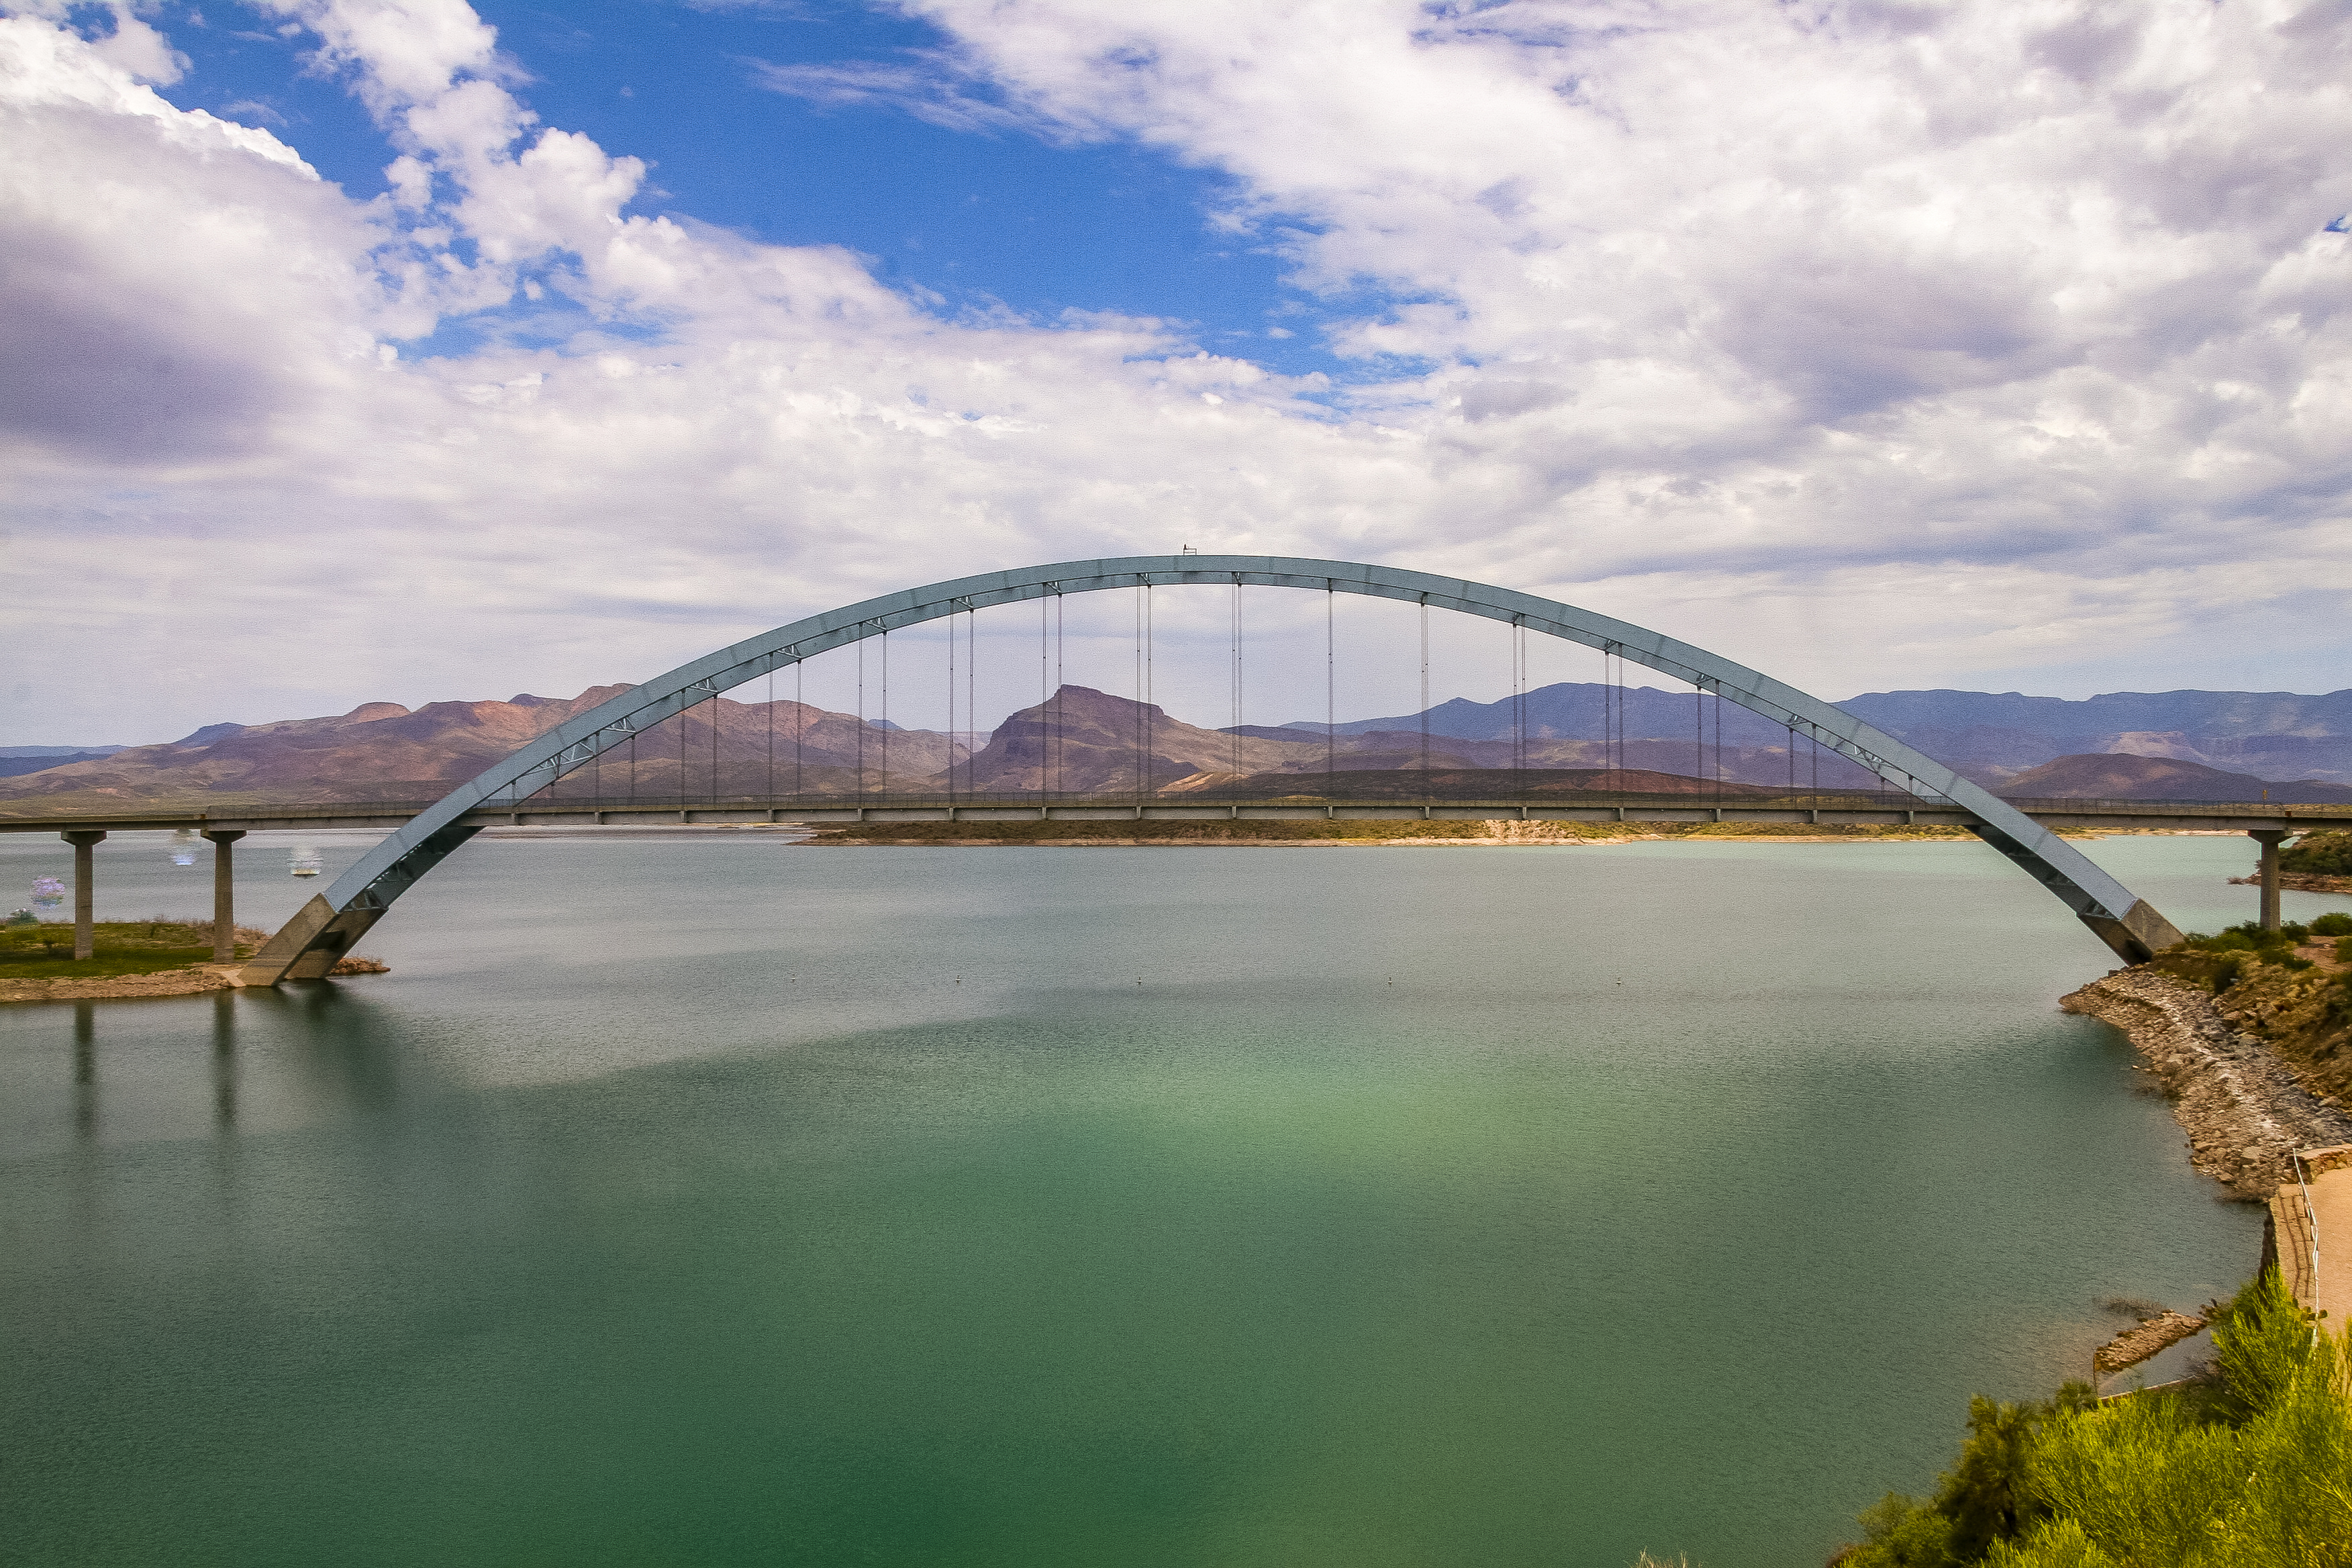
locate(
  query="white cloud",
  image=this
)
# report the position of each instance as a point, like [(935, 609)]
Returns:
[(1874, 346), (925, 86)]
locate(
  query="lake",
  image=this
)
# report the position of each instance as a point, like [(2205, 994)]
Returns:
[(720, 1200)]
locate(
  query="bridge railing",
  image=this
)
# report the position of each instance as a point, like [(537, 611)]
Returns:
[(2070, 803)]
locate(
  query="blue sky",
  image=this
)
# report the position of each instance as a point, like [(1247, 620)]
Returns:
[(980, 216)]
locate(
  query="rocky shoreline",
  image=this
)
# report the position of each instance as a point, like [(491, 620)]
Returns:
[(2243, 1109), (2301, 881)]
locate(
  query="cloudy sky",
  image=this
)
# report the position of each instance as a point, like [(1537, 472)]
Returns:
[(391, 349)]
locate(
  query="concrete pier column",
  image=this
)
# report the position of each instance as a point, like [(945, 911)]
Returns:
[(223, 893), (84, 840), (2268, 837)]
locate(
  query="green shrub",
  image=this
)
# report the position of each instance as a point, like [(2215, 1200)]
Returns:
[(2158, 1480), (2198, 962), (2336, 923), (1985, 1497), (2258, 1340), (2216, 961), (2059, 1544), (2248, 1470), (1899, 1531), (2343, 950), (2320, 854)]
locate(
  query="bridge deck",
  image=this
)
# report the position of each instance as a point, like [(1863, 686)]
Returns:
[(1827, 810)]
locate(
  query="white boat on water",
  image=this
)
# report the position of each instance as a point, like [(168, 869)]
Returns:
[(303, 862)]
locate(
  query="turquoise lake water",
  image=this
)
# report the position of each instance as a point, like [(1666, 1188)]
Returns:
[(715, 1202)]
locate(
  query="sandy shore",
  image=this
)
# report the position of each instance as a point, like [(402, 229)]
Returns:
[(2244, 1110)]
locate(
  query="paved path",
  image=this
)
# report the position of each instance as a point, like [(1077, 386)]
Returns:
[(2329, 1184)]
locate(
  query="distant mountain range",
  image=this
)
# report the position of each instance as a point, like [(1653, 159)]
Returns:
[(2113, 775), (2126, 746), (14, 759), (1989, 737)]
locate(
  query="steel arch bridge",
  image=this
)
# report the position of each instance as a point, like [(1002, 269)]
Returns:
[(326, 928)]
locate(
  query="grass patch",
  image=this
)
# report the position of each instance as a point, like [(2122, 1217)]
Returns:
[(45, 951)]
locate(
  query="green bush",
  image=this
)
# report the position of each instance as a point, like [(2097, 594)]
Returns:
[(2320, 854), (2216, 972), (1983, 1499), (2216, 961), (2144, 1482), (2336, 923), (1899, 1531), (2250, 1472)]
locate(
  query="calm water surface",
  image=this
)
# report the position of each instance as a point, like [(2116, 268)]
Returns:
[(714, 1202)]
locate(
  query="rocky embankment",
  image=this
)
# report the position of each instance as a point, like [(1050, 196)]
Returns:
[(2134, 1345), (2243, 1106)]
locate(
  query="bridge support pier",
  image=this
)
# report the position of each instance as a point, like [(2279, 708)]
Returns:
[(223, 893), (85, 841), (2268, 837)]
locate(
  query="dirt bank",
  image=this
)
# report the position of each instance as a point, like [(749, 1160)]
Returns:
[(191, 980), (2243, 1106)]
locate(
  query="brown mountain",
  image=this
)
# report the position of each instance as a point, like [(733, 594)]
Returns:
[(2114, 776), (1080, 741), (383, 751)]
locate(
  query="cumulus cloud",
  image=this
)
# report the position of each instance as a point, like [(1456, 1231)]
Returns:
[(1876, 345)]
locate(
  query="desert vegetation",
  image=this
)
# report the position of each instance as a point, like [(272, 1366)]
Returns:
[(2244, 1465), (43, 949), (2292, 988), (2318, 855)]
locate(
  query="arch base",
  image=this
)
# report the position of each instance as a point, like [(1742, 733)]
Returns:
[(2140, 935)]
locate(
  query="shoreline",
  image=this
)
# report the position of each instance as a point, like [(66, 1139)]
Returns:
[(2243, 1106), (1405, 833), (2300, 882), (191, 980)]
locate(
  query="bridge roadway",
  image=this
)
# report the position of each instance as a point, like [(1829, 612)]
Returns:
[(2265, 822), (2209, 816)]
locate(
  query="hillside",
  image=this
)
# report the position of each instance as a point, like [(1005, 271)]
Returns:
[(1993, 736), (1989, 737), (383, 751), (1082, 740), (2116, 776)]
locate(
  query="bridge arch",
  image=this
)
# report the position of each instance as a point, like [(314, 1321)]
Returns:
[(326, 928)]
